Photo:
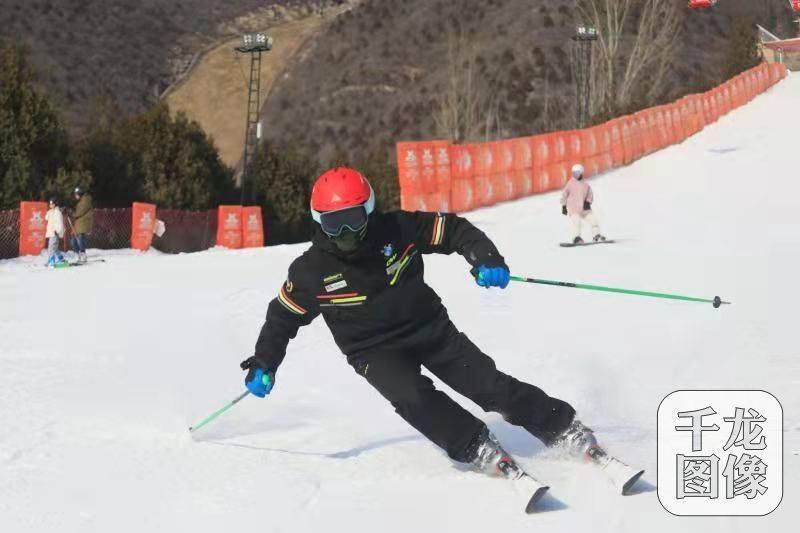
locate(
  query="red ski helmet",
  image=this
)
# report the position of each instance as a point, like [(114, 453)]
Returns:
[(341, 198)]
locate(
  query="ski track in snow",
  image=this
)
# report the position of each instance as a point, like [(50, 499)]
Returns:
[(103, 368)]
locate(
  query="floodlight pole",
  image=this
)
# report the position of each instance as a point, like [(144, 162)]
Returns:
[(581, 56), (253, 44)]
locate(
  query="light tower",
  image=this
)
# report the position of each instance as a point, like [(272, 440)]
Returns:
[(581, 52), (253, 44)]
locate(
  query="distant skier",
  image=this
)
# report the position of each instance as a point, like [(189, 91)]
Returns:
[(576, 202), (364, 274), (82, 225), (54, 233)]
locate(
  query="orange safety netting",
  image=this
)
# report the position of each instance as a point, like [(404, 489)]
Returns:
[(440, 176)]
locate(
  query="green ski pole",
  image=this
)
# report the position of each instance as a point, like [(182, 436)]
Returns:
[(716, 301), (215, 414)]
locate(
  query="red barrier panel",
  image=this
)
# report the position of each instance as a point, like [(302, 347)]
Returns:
[(143, 222), (417, 164), (558, 175), (560, 147), (408, 167), (462, 195), (484, 190), (504, 156), (503, 186), (253, 227), (617, 147), (524, 180), (462, 162), (592, 166), (443, 175), (523, 153), (590, 141), (606, 162), (627, 141), (541, 146), (229, 226), (541, 179), (603, 135), (678, 135), (32, 227), (646, 144), (427, 161), (412, 201), (727, 104), (576, 151)]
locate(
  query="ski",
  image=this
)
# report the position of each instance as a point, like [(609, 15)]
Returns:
[(587, 243), (535, 488), (621, 476)]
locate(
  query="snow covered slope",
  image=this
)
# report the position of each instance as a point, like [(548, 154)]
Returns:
[(103, 367)]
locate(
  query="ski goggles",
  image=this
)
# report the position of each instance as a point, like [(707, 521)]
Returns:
[(333, 223)]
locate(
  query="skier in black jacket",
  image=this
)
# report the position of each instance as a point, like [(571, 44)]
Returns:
[(364, 275)]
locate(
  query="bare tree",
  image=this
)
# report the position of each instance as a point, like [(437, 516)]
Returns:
[(653, 49), (631, 63), (459, 110)]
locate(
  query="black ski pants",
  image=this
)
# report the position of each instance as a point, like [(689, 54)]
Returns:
[(454, 359)]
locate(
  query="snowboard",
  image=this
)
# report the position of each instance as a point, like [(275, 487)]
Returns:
[(69, 264), (586, 243)]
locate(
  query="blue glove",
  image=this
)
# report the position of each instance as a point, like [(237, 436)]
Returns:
[(493, 277), (259, 381)]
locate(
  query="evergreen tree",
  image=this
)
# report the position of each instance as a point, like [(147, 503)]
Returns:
[(379, 169), (175, 162), (33, 142), (102, 152), (282, 177)]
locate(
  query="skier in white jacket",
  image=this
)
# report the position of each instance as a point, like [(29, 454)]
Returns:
[(576, 201), (54, 233)]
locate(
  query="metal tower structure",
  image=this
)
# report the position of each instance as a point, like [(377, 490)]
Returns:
[(254, 44), (581, 56)]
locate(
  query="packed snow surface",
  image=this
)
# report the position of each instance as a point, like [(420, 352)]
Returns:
[(104, 367)]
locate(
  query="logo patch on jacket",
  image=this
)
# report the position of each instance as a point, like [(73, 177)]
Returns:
[(336, 286), (332, 278)]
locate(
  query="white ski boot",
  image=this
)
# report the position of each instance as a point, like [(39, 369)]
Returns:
[(579, 441), (490, 458)]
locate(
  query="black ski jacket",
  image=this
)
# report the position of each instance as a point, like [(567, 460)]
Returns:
[(375, 299)]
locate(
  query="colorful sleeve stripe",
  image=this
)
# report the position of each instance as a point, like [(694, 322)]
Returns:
[(438, 231), (289, 304)]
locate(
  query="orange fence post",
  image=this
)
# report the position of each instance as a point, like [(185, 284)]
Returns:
[(229, 226), (32, 227), (252, 227), (143, 222)]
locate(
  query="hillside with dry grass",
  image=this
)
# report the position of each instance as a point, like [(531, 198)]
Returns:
[(214, 92), (126, 51), (377, 75)]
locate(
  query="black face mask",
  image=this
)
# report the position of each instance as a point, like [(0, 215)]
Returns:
[(349, 241)]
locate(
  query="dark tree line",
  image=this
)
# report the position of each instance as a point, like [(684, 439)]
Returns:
[(153, 156)]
